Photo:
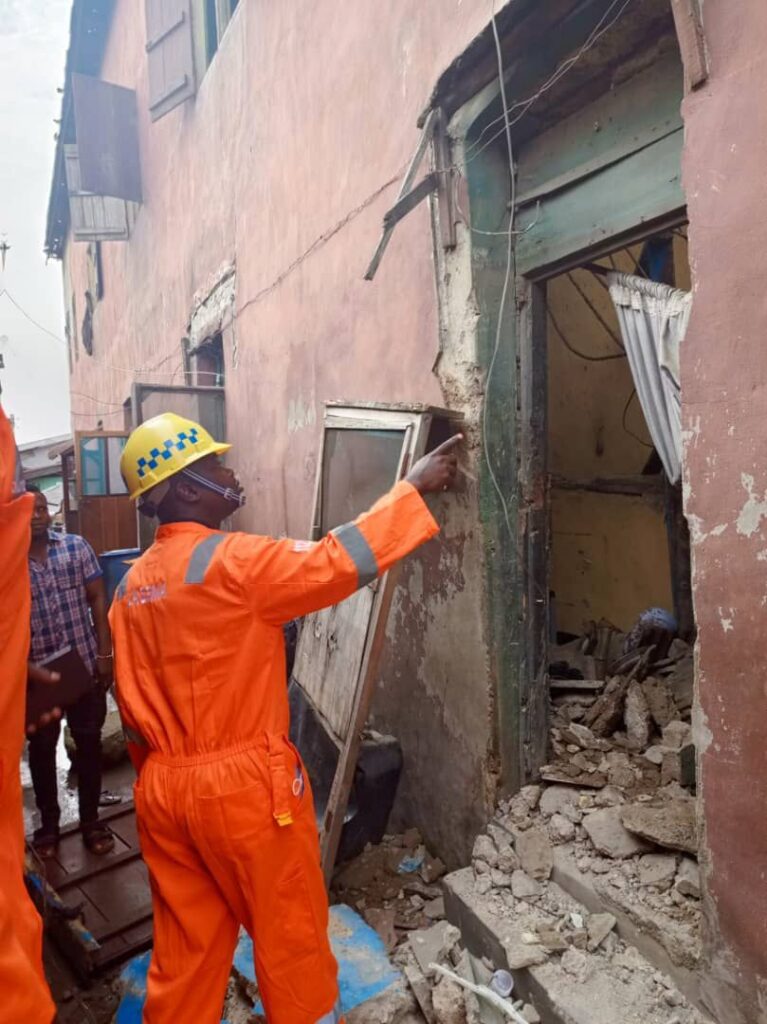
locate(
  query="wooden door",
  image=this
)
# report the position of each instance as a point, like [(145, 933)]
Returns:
[(107, 517)]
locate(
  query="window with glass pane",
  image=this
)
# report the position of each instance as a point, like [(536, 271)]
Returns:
[(100, 466), (359, 466)]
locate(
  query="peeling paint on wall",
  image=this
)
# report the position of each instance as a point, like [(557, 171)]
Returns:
[(754, 510)]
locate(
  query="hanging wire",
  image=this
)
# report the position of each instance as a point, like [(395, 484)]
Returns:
[(595, 311), (631, 433), (575, 351)]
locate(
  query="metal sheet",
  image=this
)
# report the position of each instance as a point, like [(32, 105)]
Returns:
[(107, 138)]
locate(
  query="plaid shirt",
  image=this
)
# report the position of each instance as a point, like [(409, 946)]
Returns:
[(61, 616)]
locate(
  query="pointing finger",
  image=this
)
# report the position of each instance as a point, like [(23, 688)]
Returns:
[(448, 446)]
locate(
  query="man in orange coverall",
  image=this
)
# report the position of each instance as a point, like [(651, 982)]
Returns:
[(225, 815), (24, 994)]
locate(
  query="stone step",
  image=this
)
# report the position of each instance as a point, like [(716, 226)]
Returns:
[(659, 940), (613, 985)]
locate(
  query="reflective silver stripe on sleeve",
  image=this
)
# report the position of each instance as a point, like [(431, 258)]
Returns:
[(201, 558), (133, 737), (333, 1017), (359, 551), (122, 586)]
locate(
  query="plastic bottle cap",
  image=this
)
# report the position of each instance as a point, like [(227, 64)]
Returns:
[(502, 983)]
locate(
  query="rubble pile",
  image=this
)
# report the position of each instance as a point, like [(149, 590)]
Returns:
[(395, 887)]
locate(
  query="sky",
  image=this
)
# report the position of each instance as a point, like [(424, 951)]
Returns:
[(33, 40)]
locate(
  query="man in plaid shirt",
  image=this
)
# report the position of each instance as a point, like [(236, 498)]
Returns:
[(69, 612)]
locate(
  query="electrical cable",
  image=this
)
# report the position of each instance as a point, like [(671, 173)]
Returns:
[(507, 278), (631, 433), (560, 72), (575, 351)]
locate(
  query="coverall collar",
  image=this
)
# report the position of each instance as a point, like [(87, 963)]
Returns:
[(175, 529)]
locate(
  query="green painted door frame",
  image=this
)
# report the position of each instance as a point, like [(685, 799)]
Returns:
[(584, 201)]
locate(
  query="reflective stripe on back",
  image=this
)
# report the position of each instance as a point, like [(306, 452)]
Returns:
[(360, 552), (201, 558)]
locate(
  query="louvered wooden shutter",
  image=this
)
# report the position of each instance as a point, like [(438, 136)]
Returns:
[(170, 52)]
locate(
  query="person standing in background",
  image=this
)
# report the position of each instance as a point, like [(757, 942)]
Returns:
[(69, 612)]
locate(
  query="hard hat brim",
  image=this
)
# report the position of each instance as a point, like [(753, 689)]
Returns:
[(217, 448)]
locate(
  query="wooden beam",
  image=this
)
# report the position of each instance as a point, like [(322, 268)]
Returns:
[(416, 195), (692, 42), (407, 184), (446, 196), (631, 486)]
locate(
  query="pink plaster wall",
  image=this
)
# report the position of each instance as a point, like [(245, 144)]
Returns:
[(307, 110), (303, 114), (724, 390)]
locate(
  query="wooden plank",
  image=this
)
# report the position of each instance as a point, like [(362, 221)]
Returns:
[(636, 192), (170, 55), (329, 659), (407, 184), (692, 42), (625, 120), (447, 176), (635, 486), (428, 184)]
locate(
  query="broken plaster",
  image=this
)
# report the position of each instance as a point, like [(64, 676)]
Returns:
[(754, 510)]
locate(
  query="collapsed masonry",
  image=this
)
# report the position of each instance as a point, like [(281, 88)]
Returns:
[(586, 886)]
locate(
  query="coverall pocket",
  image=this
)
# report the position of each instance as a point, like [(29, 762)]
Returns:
[(299, 938)]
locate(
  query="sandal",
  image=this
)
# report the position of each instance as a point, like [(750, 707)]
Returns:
[(45, 842), (98, 839)]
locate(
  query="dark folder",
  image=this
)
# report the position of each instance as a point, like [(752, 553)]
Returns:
[(76, 681)]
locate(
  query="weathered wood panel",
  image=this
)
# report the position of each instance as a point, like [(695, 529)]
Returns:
[(618, 199), (329, 658), (170, 52)]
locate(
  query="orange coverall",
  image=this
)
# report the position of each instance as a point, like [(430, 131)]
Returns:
[(225, 813), (24, 994)]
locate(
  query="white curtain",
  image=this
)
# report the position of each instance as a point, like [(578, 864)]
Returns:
[(653, 319)]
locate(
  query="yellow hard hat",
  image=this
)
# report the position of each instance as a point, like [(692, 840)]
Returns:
[(162, 447)]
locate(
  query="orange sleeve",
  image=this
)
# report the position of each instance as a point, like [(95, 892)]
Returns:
[(285, 579)]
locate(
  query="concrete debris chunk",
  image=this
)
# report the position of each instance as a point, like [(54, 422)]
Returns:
[(671, 825), (531, 795), (552, 940), (484, 850), (382, 920), (448, 1002), (658, 870), (577, 963), (688, 878), (535, 854), (562, 829), (555, 799), (508, 861), (606, 714), (607, 832), (433, 945), (500, 879), (598, 928), (521, 954), (530, 1014), (422, 991), (570, 775), (677, 735), (483, 884), (655, 755), (610, 796), (432, 869), (435, 909), (524, 887), (671, 767), (660, 701), (637, 717)]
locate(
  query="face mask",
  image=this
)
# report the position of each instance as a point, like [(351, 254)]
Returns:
[(225, 492)]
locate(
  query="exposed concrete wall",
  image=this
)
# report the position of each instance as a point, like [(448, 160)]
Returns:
[(304, 122), (724, 391)]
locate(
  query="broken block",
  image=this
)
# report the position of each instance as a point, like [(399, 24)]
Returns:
[(607, 832), (535, 854)]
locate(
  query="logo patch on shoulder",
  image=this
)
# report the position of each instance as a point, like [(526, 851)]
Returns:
[(300, 546)]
